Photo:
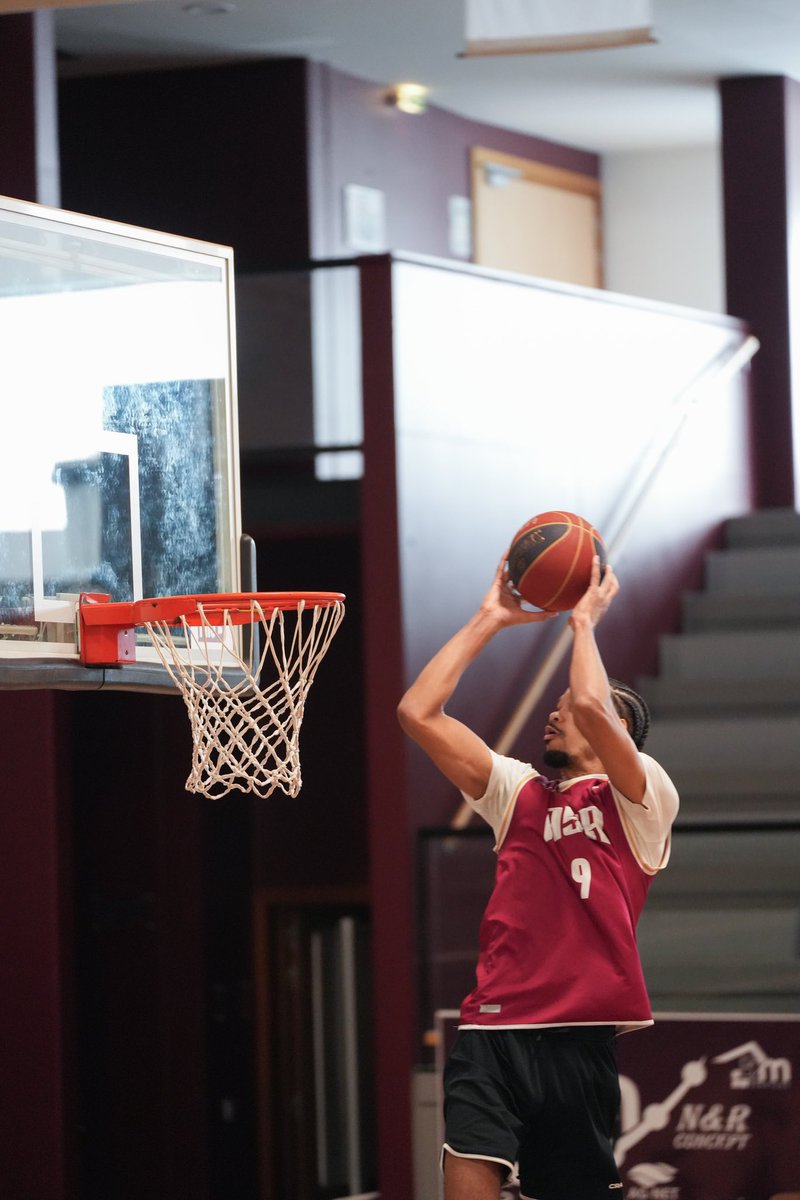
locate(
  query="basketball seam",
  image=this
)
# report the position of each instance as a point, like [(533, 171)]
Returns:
[(568, 577)]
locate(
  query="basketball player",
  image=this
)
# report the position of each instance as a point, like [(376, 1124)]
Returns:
[(532, 1081)]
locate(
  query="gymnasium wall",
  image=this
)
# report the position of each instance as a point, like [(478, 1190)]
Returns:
[(761, 166), (195, 151), (510, 398), (663, 235), (417, 162), (255, 155)]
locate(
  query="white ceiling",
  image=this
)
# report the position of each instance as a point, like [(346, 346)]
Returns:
[(603, 100)]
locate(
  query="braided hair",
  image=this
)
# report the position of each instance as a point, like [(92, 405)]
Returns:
[(633, 709)]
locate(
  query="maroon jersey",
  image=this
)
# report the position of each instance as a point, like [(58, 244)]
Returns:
[(558, 938)]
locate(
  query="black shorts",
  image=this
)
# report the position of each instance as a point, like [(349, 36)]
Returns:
[(542, 1100)]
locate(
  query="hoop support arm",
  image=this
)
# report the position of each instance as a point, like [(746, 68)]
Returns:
[(106, 631)]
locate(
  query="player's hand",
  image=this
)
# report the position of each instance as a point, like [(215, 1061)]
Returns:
[(595, 601), (505, 602)]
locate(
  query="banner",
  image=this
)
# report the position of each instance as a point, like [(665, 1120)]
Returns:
[(711, 1109), (542, 26)]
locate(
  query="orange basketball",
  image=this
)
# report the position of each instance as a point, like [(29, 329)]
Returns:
[(550, 560)]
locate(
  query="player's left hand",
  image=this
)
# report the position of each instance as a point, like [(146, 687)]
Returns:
[(595, 601), (505, 602)]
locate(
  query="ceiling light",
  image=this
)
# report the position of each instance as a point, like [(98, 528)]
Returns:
[(409, 97), (539, 26)]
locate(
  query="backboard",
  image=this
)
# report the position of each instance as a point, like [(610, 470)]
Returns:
[(118, 452)]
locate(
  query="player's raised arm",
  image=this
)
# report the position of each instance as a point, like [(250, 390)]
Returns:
[(592, 705), (459, 753)]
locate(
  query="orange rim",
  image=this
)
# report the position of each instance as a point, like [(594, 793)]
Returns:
[(214, 608)]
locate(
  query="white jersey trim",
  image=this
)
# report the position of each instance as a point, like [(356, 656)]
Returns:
[(482, 1157), (646, 825), (496, 805), (620, 1026)]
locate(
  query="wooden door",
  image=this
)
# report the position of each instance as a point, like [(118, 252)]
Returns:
[(536, 219)]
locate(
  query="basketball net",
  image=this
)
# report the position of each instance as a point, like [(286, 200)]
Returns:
[(246, 709)]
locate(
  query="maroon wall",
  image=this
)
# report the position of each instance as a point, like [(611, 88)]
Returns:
[(761, 176), (215, 153), (319, 840), (417, 161), (18, 121), (37, 1063), (37, 1060), (28, 118), (143, 910), (255, 155), (391, 834)]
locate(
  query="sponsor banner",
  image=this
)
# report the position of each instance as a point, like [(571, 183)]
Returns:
[(710, 1109)]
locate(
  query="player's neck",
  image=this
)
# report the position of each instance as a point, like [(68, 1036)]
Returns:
[(577, 769)]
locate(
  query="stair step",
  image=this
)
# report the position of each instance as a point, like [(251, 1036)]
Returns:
[(753, 862), (754, 571), (732, 808), (719, 797), (668, 697), (723, 610), (729, 746), (735, 785), (768, 527), (720, 992), (726, 702), (761, 654), (721, 933)]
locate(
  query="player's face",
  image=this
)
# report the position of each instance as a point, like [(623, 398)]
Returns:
[(564, 745)]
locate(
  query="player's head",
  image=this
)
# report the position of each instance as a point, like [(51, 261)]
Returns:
[(633, 709), (565, 746)]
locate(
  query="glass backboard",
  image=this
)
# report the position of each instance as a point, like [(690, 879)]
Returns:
[(118, 452)]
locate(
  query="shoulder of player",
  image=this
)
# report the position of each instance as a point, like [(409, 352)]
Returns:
[(656, 774), (505, 765), (660, 801)]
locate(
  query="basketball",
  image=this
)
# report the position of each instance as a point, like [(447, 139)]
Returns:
[(550, 560)]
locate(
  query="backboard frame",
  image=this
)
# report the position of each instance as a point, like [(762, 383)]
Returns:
[(54, 260)]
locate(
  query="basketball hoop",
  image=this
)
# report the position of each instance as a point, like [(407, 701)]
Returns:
[(245, 705)]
